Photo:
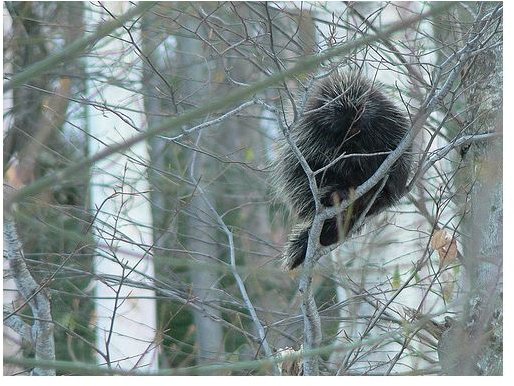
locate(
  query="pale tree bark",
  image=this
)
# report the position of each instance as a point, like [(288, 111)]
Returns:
[(126, 315), (40, 334), (473, 343)]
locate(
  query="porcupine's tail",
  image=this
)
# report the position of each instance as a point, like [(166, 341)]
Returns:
[(296, 247)]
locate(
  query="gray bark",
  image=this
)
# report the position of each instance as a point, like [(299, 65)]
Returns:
[(472, 345), (42, 330), (202, 241)]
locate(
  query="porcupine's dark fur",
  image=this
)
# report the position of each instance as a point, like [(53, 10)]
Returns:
[(344, 113)]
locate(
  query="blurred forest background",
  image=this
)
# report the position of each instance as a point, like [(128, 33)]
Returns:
[(140, 230)]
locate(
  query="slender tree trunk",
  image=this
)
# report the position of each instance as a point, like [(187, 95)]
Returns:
[(126, 315), (201, 228)]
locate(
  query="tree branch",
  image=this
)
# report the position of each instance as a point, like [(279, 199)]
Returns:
[(42, 331)]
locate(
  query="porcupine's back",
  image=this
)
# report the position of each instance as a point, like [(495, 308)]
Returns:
[(344, 114)]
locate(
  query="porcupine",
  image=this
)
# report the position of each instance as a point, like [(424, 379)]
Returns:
[(344, 114)]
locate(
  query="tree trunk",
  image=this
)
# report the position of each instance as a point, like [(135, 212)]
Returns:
[(473, 344), (126, 315), (201, 227)]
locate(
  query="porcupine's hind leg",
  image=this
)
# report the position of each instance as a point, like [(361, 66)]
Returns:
[(296, 247), (333, 229)]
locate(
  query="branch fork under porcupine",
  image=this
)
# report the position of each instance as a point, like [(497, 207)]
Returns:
[(347, 130)]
